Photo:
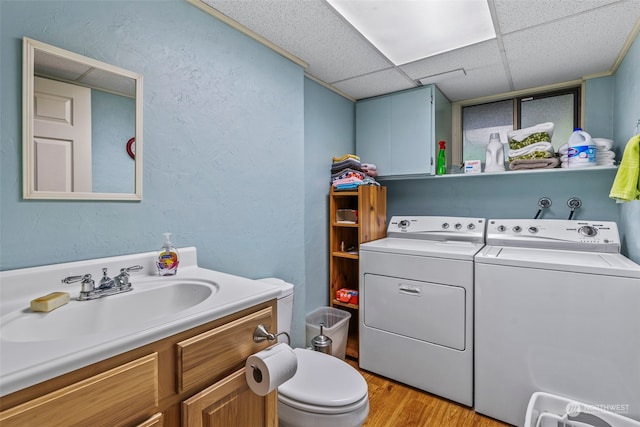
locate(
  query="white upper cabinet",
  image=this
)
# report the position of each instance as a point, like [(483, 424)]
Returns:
[(399, 132)]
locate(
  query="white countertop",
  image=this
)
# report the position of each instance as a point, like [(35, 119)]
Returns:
[(25, 363)]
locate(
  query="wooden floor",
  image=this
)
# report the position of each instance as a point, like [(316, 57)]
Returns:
[(397, 405)]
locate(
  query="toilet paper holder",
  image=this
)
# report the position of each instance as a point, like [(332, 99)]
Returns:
[(261, 333)]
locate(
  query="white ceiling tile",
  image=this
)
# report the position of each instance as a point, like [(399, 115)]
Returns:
[(485, 72), (539, 42), (475, 56), (541, 55), (310, 30), (374, 84), (516, 15)]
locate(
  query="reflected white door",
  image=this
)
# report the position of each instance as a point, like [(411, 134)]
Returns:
[(62, 136)]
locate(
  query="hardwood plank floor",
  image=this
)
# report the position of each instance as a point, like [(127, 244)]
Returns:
[(393, 404)]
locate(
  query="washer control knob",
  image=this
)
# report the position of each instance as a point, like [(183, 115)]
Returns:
[(458, 226), (587, 230), (502, 228), (404, 223), (517, 229), (533, 229), (445, 225), (471, 226)]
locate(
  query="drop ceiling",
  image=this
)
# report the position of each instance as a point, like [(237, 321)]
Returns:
[(538, 43)]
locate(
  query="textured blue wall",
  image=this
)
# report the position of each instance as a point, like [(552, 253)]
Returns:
[(224, 161), (626, 115), (329, 131)]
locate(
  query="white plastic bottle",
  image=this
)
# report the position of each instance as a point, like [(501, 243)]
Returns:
[(582, 150), (167, 258), (494, 160)]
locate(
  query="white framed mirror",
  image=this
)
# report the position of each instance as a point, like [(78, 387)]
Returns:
[(82, 127)]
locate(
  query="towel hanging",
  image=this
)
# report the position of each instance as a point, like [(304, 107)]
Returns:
[(626, 185)]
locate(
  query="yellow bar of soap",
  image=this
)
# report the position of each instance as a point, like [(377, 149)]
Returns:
[(50, 302)]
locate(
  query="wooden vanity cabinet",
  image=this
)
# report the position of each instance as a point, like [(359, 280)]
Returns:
[(192, 379)]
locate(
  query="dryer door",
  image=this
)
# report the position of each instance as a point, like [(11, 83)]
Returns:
[(420, 310)]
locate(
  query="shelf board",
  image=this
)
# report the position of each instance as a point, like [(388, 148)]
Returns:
[(345, 224), (341, 254), (344, 193), (505, 173), (345, 304)]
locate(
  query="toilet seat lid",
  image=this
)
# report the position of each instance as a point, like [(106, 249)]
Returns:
[(324, 380)]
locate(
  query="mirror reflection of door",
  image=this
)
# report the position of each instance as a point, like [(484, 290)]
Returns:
[(62, 136)]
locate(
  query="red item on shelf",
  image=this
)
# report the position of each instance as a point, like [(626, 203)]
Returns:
[(349, 296)]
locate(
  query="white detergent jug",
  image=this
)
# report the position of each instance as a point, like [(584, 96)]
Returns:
[(494, 161), (582, 149)]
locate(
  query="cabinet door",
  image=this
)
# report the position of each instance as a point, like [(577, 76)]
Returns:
[(230, 403), (396, 132), (373, 133), (112, 398), (412, 143)]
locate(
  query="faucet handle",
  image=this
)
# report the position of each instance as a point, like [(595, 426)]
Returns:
[(122, 279), (106, 281), (88, 284), (130, 269)]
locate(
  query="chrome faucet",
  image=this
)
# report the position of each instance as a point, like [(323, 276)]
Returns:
[(122, 279), (108, 286)]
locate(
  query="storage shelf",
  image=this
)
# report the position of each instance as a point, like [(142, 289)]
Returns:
[(345, 304), (345, 255), (345, 224), (505, 173), (344, 193), (371, 204)]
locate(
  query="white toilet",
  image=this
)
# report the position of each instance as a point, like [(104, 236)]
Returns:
[(325, 391)]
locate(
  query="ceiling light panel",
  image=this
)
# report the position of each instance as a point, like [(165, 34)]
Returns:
[(409, 30)]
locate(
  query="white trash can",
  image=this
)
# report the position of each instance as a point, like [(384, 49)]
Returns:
[(335, 325)]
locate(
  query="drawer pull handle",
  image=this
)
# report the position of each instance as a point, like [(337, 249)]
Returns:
[(410, 290)]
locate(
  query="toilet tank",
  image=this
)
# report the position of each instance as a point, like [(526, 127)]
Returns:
[(285, 305)]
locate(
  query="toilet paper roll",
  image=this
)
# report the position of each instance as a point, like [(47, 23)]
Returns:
[(269, 368)]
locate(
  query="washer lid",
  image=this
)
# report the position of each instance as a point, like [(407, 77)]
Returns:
[(324, 380)]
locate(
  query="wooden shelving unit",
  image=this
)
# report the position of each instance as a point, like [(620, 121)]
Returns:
[(344, 244)]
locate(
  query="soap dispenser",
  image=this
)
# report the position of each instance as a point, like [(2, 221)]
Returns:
[(494, 161), (167, 258)]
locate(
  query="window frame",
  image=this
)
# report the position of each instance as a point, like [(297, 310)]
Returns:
[(544, 91)]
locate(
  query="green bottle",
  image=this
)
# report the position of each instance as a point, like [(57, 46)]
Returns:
[(441, 166)]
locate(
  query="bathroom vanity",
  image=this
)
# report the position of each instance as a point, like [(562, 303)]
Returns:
[(183, 366)]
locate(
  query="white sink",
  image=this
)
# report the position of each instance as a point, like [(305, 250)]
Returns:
[(36, 347), (121, 311)]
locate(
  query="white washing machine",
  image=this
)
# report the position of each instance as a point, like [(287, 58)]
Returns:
[(557, 310), (416, 303)]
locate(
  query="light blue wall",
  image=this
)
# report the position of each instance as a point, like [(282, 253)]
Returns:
[(224, 160), (329, 131), (112, 125), (626, 113)]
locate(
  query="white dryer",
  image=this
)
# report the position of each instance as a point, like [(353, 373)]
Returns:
[(557, 310), (416, 303)]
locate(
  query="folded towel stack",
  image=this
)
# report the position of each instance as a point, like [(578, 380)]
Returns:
[(531, 148), (564, 155), (605, 156), (347, 173)]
